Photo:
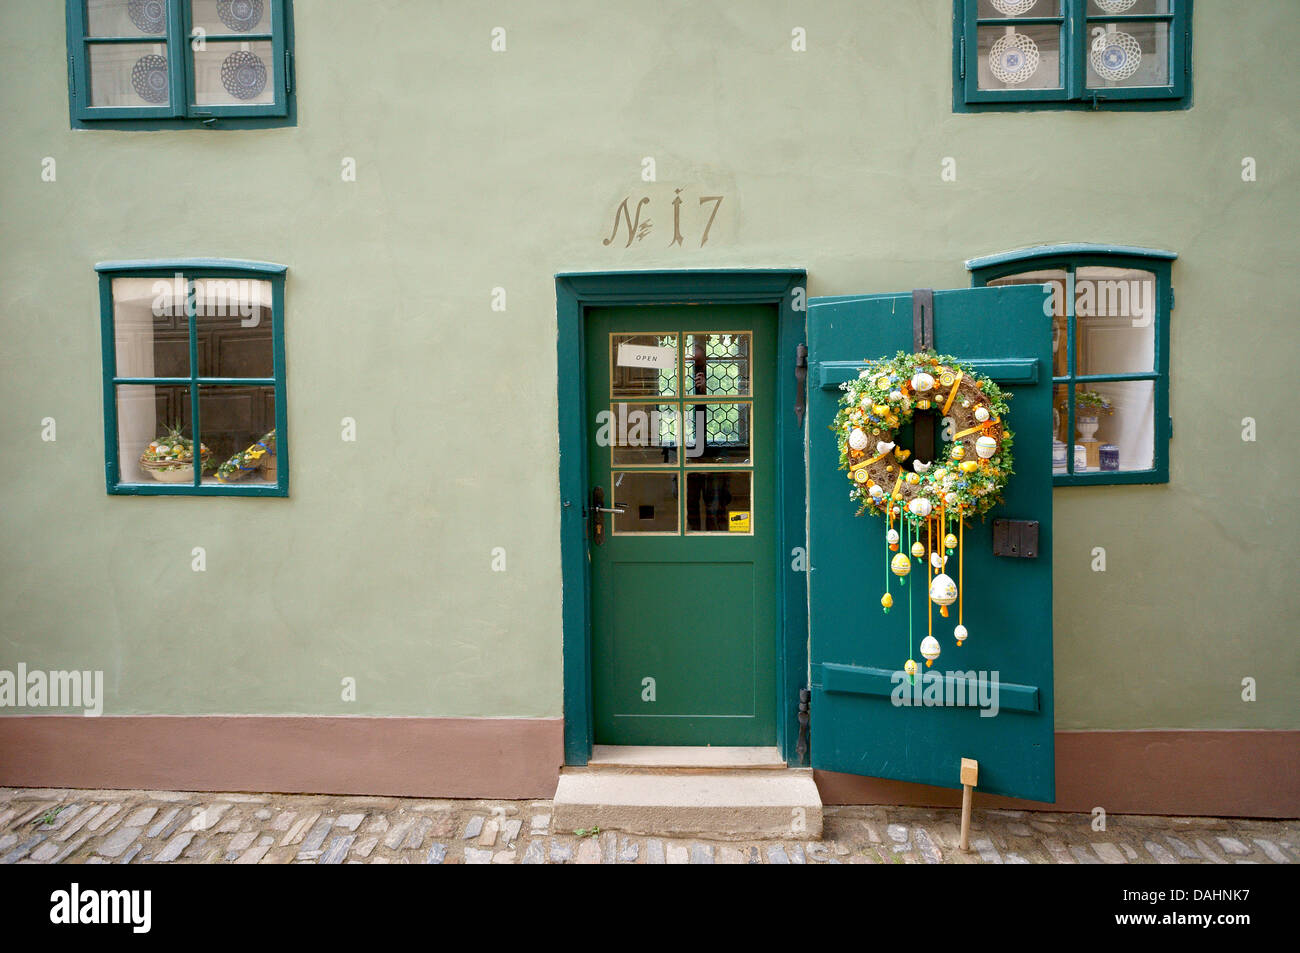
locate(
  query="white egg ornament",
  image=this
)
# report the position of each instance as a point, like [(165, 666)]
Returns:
[(919, 506), (930, 649), (922, 382), (876, 492), (951, 498), (943, 592), (960, 634), (986, 447), (981, 413), (858, 439), (892, 538)]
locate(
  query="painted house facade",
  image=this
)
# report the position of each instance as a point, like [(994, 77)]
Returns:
[(388, 272)]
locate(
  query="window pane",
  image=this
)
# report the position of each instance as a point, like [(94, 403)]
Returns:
[(1060, 421), (717, 364), (1123, 439), (238, 423), (1115, 330), (1026, 57), (150, 333), (233, 74), (648, 501), (1057, 278), (129, 74), (233, 325), (643, 434), (1101, 8), (643, 365), (154, 435), (231, 16), (1019, 8), (126, 17), (723, 434), (1128, 54), (718, 502)]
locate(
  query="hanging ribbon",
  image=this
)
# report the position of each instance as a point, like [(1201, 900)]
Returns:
[(952, 393)]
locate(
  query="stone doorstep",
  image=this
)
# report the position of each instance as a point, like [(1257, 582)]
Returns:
[(730, 804), (685, 758)]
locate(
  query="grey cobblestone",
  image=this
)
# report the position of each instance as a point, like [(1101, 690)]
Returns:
[(177, 827)]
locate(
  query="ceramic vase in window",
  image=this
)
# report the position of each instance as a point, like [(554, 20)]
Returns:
[(1087, 423)]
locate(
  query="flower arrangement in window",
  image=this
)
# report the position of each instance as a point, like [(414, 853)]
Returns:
[(170, 458), (1089, 403), (259, 456)]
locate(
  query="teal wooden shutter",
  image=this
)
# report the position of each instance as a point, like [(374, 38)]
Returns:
[(854, 647)]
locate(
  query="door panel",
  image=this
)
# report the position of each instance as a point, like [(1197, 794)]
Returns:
[(683, 581), (855, 648)]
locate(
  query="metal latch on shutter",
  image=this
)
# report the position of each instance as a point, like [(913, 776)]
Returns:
[(923, 340), (1017, 539)]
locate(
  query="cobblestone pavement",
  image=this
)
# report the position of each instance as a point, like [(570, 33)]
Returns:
[(137, 827)]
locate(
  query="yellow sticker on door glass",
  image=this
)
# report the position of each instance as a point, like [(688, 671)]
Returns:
[(738, 521)]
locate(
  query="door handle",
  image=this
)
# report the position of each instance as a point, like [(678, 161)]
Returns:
[(595, 521)]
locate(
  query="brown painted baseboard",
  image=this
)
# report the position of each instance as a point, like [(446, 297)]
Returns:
[(1206, 773), (1213, 773), (422, 757)]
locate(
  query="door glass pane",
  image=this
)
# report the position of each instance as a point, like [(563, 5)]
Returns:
[(150, 332), (154, 435), (1123, 436), (643, 365), (233, 324), (1128, 54), (126, 17), (643, 434), (231, 16), (1115, 327), (717, 364), (238, 423), (233, 74), (719, 502), (717, 434), (129, 74), (1023, 57), (648, 501)]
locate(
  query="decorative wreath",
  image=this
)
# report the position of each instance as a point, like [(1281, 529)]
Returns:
[(968, 474)]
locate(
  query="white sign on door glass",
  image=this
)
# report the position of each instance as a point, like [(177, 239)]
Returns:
[(641, 355)]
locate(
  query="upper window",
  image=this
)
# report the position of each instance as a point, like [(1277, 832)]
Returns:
[(194, 377), (1110, 355), (179, 62), (1072, 54)]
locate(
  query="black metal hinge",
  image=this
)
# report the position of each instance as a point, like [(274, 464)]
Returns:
[(800, 382), (804, 714), (288, 71), (962, 58), (923, 319)]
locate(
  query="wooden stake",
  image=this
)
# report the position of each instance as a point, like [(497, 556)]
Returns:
[(970, 777)]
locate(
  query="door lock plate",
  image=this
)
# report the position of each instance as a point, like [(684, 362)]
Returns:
[(1016, 539)]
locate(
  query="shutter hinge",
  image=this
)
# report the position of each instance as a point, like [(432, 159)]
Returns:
[(963, 57), (1171, 426), (803, 715), (1187, 51), (800, 382), (288, 71), (72, 78), (1171, 297)]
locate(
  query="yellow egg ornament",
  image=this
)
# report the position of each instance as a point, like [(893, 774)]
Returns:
[(886, 602), (900, 565), (950, 542), (918, 550), (909, 667), (958, 452)]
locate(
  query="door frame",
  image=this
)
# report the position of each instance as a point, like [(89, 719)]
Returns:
[(575, 292)]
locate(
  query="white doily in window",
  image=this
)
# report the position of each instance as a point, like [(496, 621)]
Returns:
[(1013, 58), (1115, 6), (1115, 56), (1013, 8)]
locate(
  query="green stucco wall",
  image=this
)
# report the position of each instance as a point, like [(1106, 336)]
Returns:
[(478, 170)]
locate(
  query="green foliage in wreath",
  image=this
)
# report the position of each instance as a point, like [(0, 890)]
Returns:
[(881, 400)]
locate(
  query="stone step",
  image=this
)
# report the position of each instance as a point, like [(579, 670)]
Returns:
[(684, 758), (726, 804)]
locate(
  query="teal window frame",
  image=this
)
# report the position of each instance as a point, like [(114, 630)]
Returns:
[(1075, 24), (1069, 257), (190, 269), (180, 111)]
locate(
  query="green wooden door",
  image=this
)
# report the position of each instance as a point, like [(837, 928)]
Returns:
[(855, 649), (680, 404)]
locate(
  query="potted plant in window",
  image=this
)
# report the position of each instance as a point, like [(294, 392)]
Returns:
[(170, 458), (1088, 408)]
